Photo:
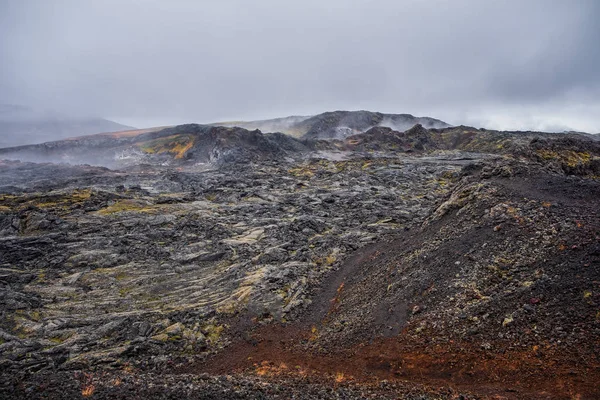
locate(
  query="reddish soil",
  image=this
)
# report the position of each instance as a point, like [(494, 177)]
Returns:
[(273, 350)]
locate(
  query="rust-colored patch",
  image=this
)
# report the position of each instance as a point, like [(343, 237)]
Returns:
[(540, 372)]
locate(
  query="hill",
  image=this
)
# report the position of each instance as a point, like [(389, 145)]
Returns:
[(337, 124), (21, 125)]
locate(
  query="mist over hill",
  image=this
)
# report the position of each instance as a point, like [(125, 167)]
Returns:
[(337, 124), (21, 125)]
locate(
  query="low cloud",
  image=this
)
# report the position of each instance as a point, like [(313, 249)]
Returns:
[(504, 64)]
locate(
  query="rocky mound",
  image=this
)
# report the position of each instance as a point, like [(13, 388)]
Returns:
[(507, 263), (190, 143), (341, 124), (384, 139), (571, 153), (289, 125)]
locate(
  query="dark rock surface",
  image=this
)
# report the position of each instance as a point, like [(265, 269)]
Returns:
[(266, 262)]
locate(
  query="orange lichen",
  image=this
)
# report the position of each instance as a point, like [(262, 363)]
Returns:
[(267, 368), (88, 390), (177, 145), (340, 377), (314, 333)]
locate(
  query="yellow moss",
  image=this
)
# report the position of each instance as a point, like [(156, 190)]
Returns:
[(121, 276), (306, 172), (568, 157), (213, 332), (177, 145), (497, 270), (54, 201), (35, 316), (314, 334), (41, 276), (330, 259), (128, 205), (57, 340), (227, 308), (181, 149), (547, 154)]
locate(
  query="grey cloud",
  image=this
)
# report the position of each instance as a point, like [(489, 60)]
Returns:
[(153, 60)]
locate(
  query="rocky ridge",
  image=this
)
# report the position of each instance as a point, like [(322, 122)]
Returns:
[(337, 124)]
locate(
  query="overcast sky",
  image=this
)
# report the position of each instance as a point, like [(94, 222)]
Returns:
[(500, 64)]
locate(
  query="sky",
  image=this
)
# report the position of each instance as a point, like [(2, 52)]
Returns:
[(523, 64)]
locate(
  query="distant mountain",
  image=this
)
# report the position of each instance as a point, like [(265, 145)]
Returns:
[(21, 125), (337, 124)]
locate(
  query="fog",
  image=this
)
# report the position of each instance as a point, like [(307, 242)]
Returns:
[(505, 65)]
